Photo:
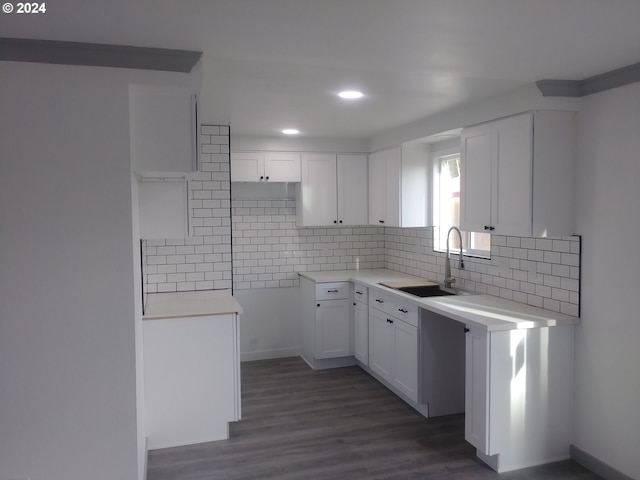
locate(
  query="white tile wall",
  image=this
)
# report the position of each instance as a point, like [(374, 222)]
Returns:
[(269, 251), (203, 260), (536, 271)]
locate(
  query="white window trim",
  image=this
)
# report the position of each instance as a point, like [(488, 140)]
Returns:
[(436, 159)]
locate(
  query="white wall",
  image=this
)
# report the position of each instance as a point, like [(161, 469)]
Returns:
[(69, 306), (67, 361), (269, 324), (607, 388)]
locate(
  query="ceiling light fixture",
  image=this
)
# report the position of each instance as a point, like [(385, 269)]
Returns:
[(351, 94), (290, 131)]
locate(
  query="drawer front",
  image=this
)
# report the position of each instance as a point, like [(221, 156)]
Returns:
[(383, 302), (332, 291), (406, 312), (391, 305), (360, 293)]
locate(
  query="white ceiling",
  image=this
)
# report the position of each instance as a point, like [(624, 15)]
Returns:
[(271, 64)]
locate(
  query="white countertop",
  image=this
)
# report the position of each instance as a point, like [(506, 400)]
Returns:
[(488, 311), (190, 304)]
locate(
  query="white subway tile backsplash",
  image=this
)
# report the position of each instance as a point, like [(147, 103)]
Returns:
[(541, 272)]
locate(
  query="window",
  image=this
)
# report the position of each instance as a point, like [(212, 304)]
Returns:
[(446, 209)]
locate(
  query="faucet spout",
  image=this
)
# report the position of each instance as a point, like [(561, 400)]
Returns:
[(449, 280)]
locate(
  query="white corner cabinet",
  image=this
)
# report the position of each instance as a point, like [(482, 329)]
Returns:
[(517, 175), (163, 129), (265, 167), (518, 396), (361, 323), (327, 326), (399, 190), (333, 190)]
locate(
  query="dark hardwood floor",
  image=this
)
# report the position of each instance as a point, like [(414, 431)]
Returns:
[(300, 424)]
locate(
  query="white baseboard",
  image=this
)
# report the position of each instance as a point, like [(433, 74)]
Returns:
[(269, 354)]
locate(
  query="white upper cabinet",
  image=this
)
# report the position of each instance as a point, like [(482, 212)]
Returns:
[(398, 187), (265, 167), (333, 190), (163, 129), (517, 175)]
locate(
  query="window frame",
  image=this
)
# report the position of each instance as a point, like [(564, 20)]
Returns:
[(437, 158)]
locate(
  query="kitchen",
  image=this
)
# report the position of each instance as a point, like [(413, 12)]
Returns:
[(45, 210)]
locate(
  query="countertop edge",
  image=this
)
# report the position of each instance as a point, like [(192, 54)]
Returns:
[(445, 306)]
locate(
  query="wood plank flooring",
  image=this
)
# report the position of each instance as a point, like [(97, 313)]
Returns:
[(300, 424)]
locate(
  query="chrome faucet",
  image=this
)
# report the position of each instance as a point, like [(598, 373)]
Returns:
[(448, 279)]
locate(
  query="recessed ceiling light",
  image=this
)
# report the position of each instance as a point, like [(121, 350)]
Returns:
[(290, 131), (351, 94)]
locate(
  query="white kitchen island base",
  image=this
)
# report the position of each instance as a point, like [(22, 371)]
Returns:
[(192, 378)]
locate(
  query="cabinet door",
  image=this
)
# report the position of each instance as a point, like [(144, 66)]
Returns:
[(361, 319), (393, 205), (380, 343), (377, 188), (162, 129), (405, 360), (247, 166), (475, 178), (352, 189), (282, 167), (333, 330), (318, 190), (511, 202), (476, 425)]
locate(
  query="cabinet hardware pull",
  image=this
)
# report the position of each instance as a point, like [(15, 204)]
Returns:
[(267, 177), (379, 301), (262, 177), (466, 330), (354, 304), (333, 291), (359, 293), (340, 221), (318, 305), (403, 310), (381, 221), (389, 320), (335, 221), (489, 227)]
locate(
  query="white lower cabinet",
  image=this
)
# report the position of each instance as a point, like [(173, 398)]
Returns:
[(476, 380), (361, 324), (191, 379), (326, 326), (518, 395), (405, 358), (393, 347), (332, 333)]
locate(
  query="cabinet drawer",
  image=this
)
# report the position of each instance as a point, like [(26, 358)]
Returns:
[(360, 293), (406, 312), (390, 305), (332, 291), (381, 301)]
